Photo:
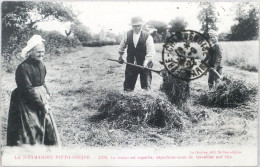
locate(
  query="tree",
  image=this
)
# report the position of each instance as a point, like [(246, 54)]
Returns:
[(223, 36), (177, 24), (19, 17), (19, 22), (157, 30), (240, 11), (81, 32), (247, 27), (207, 17), (159, 25)]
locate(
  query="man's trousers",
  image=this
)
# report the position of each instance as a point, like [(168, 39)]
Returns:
[(131, 74)]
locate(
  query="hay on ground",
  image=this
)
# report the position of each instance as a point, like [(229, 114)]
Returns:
[(177, 90), (229, 93), (128, 111)]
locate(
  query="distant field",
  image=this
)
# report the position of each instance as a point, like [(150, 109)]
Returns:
[(244, 55), (80, 82)]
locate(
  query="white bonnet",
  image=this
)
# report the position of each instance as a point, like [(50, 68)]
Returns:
[(32, 42)]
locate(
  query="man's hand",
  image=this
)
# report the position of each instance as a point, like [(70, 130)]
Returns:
[(148, 63), (120, 59)]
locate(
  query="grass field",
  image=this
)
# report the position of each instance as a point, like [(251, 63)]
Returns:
[(80, 82), (243, 55)]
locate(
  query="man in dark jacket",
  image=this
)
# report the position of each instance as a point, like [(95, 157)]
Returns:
[(214, 59), (140, 50)]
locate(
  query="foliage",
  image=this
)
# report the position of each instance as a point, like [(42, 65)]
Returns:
[(21, 17), (223, 36), (247, 27), (241, 11), (115, 38), (81, 32), (55, 41), (99, 43), (207, 16), (19, 23), (157, 38), (177, 24), (103, 38), (160, 26), (157, 30), (14, 19)]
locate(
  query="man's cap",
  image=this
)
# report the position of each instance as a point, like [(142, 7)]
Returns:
[(136, 21)]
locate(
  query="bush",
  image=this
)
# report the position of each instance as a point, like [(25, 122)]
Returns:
[(55, 41), (229, 93), (99, 43), (158, 38), (10, 50), (54, 44)]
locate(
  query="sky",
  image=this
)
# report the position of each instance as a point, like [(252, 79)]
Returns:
[(116, 16)]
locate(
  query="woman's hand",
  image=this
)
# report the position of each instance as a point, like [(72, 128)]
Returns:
[(48, 96), (46, 108)]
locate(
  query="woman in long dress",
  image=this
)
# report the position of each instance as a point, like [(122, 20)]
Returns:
[(29, 119)]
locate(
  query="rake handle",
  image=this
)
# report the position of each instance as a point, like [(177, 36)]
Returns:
[(55, 128), (212, 69), (135, 65), (44, 128)]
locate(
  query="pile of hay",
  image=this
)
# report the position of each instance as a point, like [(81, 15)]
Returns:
[(229, 93), (177, 90), (134, 110)]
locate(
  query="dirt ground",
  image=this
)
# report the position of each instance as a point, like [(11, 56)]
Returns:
[(79, 81)]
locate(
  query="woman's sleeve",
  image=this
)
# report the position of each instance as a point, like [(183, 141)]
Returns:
[(44, 84), (24, 84)]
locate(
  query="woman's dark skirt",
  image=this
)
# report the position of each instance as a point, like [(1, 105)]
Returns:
[(29, 125)]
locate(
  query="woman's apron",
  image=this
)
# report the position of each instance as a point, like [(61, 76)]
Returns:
[(29, 125)]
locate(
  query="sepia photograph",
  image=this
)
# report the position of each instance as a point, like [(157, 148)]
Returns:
[(129, 83)]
